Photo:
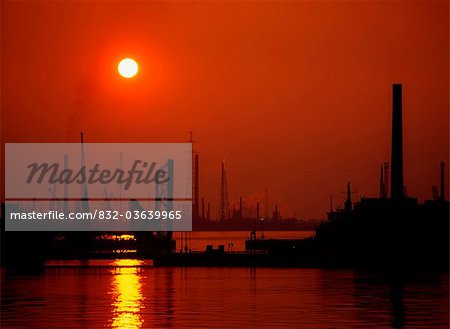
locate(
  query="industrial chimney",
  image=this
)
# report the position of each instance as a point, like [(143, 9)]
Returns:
[(442, 180), (397, 144), (196, 203)]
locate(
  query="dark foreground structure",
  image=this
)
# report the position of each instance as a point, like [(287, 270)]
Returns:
[(390, 233), (393, 233), (387, 234)]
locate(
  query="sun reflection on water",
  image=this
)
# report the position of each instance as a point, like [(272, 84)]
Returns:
[(127, 298)]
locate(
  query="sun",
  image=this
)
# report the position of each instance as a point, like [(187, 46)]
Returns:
[(127, 68)]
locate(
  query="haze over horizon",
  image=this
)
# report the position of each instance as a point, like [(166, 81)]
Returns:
[(295, 95)]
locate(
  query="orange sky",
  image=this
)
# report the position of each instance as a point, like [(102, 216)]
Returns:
[(295, 95)]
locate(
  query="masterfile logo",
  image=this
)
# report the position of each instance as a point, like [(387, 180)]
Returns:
[(53, 174), (96, 170), (98, 187)]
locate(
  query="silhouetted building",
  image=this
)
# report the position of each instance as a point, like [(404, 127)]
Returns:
[(390, 234), (442, 181), (348, 202), (397, 144)]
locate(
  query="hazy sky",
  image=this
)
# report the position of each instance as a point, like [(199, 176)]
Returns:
[(295, 95)]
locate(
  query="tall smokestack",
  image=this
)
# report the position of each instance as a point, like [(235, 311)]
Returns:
[(224, 201), (203, 208), (84, 189), (386, 179), (66, 186), (397, 144), (442, 180), (196, 189), (382, 188)]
